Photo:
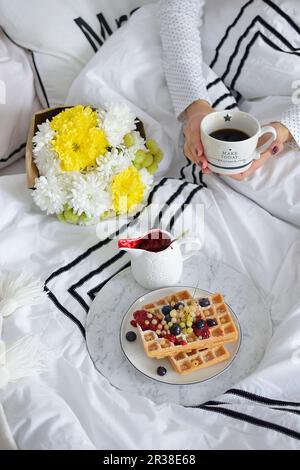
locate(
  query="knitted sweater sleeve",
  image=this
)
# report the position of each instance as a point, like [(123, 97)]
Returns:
[(180, 22), (291, 119)]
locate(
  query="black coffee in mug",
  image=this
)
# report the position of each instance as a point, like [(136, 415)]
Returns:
[(231, 148), (230, 135)]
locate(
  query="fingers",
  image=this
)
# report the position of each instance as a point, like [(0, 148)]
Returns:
[(206, 171), (193, 148), (199, 160), (245, 174), (238, 177), (203, 161), (189, 154), (197, 145), (276, 148)]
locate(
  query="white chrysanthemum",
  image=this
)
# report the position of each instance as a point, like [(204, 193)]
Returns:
[(50, 195), (118, 122), (139, 143), (101, 116), (43, 136), (112, 163), (88, 196), (46, 161), (66, 180), (146, 178)]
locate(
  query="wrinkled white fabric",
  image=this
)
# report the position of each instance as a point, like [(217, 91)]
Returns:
[(71, 406), (6, 439)]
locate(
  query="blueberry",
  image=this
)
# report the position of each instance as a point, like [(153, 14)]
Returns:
[(211, 322), (161, 371), (179, 304), (204, 302), (175, 330), (168, 318), (166, 309), (200, 324), (131, 336)]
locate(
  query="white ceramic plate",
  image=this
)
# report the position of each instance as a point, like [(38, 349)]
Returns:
[(135, 354)]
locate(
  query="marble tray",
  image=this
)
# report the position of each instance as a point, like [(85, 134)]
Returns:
[(112, 302)]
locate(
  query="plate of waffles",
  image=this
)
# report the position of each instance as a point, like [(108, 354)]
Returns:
[(180, 335)]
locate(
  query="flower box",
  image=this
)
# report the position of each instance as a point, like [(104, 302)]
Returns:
[(87, 164), (37, 119)]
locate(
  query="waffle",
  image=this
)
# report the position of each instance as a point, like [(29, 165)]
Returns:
[(182, 296), (223, 332), (187, 362)]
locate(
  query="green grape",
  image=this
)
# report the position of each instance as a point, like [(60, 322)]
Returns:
[(83, 218), (128, 140), (152, 146), (106, 215), (152, 168), (70, 217), (158, 157), (140, 156), (138, 166), (61, 217), (148, 161)]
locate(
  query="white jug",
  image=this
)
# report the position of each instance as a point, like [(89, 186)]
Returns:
[(154, 270)]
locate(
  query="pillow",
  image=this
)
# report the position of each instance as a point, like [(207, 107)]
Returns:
[(62, 36), (252, 45), (17, 100)]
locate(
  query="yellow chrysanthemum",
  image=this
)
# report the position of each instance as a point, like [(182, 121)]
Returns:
[(128, 190), (78, 141)]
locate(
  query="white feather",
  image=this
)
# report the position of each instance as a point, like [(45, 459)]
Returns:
[(19, 290)]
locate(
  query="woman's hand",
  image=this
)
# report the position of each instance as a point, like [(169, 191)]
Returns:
[(193, 148), (283, 136)]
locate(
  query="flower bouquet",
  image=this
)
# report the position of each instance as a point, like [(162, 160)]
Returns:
[(92, 164)]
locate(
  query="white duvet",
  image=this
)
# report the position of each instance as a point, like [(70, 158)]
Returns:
[(71, 406)]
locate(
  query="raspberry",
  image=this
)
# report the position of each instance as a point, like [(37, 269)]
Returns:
[(205, 333), (133, 323), (143, 326), (197, 331), (140, 315)]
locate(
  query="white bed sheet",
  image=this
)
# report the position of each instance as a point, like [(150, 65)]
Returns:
[(71, 406)]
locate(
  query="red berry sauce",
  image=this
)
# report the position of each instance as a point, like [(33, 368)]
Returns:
[(155, 242), (171, 338)]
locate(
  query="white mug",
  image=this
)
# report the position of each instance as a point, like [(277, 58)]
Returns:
[(229, 158)]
